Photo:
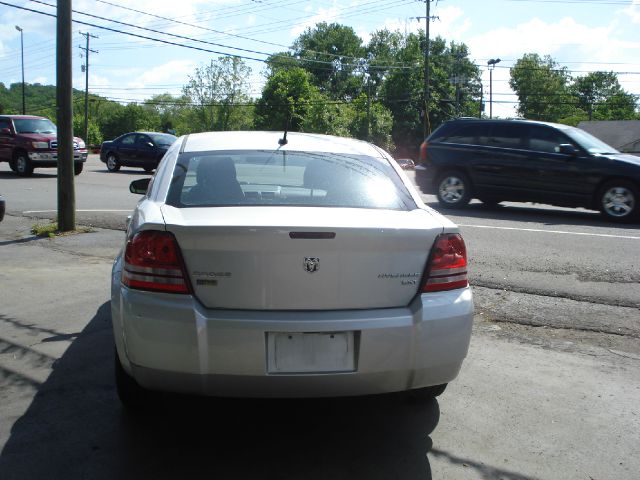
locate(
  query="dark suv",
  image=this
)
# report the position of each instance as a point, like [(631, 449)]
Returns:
[(29, 142), (520, 160)]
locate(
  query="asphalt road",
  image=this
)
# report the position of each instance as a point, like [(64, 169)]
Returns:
[(550, 388), (529, 403)]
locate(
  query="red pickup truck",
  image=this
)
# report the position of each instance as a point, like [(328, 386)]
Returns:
[(29, 142)]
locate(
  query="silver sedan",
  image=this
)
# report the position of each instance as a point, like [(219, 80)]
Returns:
[(263, 265)]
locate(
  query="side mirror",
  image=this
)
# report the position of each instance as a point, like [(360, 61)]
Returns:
[(568, 149), (149, 144), (139, 187)]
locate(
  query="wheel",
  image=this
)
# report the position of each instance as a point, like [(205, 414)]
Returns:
[(23, 166), (112, 162), (77, 168), (426, 393), (12, 165), (454, 189), (132, 395), (618, 201)]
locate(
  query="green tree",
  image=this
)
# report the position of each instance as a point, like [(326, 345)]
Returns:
[(285, 100), (542, 87), (330, 52), (600, 97), (220, 93)]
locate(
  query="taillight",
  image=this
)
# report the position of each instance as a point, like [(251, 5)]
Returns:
[(423, 152), (152, 261), (447, 268)]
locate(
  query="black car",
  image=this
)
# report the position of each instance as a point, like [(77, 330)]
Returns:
[(136, 149), (529, 161)]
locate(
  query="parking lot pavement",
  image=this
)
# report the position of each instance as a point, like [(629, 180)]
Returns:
[(527, 405)]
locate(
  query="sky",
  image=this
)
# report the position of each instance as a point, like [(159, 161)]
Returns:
[(581, 35)]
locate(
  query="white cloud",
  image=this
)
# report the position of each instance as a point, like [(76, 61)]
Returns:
[(174, 71), (324, 15), (633, 12)]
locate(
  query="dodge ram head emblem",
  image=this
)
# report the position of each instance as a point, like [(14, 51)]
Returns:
[(311, 264)]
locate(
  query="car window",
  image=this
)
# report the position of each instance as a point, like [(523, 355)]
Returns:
[(544, 139), (4, 124), (128, 140), (34, 125), (163, 139), (143, 140), (286, 178), (507, 136), (590, 143), (473, 134)]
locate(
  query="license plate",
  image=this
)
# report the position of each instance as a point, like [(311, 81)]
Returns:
[(310, 352)]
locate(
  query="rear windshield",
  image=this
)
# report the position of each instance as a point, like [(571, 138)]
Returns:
[(34, 125), (286, 178)]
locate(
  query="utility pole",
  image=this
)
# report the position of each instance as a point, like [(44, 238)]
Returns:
[(427, 92), (64, 90), (24, 108), (86, 83)]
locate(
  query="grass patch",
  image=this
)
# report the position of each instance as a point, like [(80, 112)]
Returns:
[(51, 230)]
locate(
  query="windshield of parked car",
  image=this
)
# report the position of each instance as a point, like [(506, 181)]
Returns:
[(590, 143), (34, 125), (163, 139), (286, 178)]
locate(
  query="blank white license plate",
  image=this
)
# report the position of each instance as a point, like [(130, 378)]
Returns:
[(310, 352)]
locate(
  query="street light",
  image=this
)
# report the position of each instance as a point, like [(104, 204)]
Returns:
[(491, 63), (22, 57)]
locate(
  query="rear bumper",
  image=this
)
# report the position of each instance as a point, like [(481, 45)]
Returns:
[(171, 343)]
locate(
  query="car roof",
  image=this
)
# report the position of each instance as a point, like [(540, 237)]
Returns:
[(258, 140), (509, 120), (23, 116)]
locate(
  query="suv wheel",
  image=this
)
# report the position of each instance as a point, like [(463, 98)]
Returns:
[(23, 166), (77, 168), (112, 163), (618, 200), (454, 189)]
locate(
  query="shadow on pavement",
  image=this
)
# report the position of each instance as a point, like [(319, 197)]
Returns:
[(527, 212), (76, 428)]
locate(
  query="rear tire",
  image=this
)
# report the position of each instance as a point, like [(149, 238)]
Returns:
[(454, 189), (77, 168), (112, 162), (618, 201), (133, 396), (23, 165)]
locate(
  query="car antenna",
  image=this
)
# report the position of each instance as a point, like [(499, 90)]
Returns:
[(283, 141)]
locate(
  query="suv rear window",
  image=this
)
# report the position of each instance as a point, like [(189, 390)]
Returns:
[(249, 177)]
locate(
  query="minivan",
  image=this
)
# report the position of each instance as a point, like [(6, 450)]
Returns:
[(528, 161)]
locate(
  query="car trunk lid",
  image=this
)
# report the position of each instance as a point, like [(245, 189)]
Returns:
[(303, 258)]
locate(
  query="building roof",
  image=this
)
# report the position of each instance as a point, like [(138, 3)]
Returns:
[(623, 135)]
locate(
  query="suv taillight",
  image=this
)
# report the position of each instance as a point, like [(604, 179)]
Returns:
[(447, 268), (152, 261), (423, 152)]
